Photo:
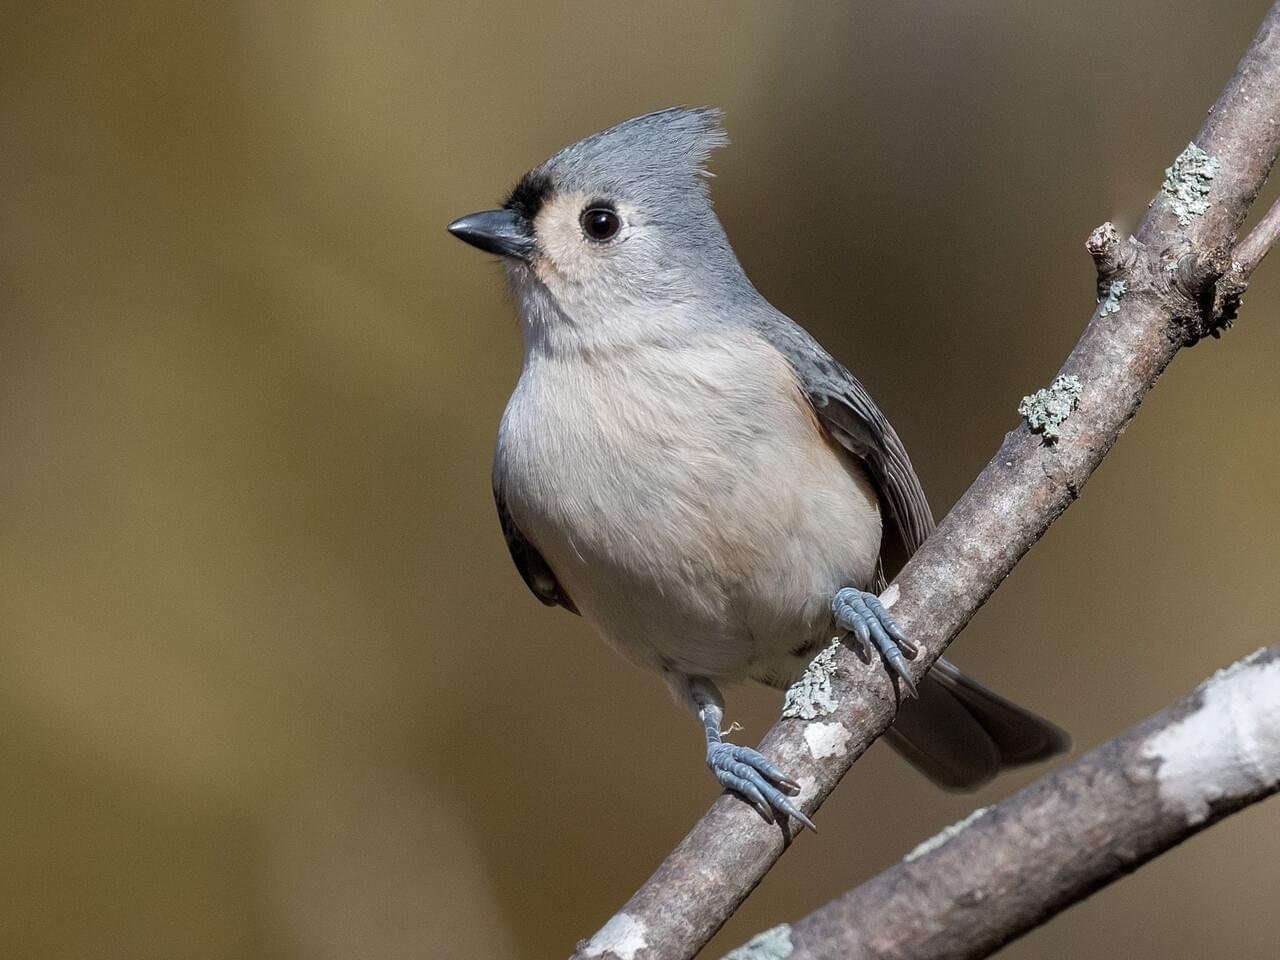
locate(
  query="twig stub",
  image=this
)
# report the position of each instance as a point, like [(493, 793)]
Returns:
[(1113, 257)]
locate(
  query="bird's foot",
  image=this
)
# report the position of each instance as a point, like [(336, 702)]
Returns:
[(758, 781), (864, 615)]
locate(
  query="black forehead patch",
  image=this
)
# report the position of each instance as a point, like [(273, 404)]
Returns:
[(528, 196)]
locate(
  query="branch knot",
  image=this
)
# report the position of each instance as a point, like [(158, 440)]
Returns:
[(1113, 257), (1199, 308)]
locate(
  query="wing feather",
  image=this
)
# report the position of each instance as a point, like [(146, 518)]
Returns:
[(535, 571), (848, 413)]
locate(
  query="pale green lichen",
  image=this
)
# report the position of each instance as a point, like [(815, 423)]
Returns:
[(773, 944), (947, 833), (1187, 183), (1047, 409), (811, 696), (1230, 670), (1111, 302)]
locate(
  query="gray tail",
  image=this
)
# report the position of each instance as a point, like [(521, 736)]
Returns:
[(959, 734)]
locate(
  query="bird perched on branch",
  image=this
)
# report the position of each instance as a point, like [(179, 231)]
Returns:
[(692, 472)]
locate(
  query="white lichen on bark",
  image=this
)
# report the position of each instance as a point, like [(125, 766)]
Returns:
[(808, 786), (623, 936), (827, 739), (1229, 747), (811, 695)]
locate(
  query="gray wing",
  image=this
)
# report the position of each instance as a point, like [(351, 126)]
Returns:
[(850, 415), (959, 733), (533, 568)]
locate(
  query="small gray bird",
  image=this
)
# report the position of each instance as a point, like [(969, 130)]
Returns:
[(689, 470)]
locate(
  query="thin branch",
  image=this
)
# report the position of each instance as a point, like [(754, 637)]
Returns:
[(1007, 869), (1259, 241), (1230, 289), (1167, 301)]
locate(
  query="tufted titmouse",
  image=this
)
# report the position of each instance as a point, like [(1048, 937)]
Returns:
[(692, 472)]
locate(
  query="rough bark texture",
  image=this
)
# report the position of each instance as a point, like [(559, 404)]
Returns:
[(1007, 869), (1170, 298)]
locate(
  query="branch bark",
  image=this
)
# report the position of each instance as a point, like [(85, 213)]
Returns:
[(1259, 241), (1007, 869), (1161, 294)]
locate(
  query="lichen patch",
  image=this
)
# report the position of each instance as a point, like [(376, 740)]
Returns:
[(773, 944), (1047, 409), (947, 833), (811, 696), (808, 787), (1228, 748), (1187, 183), (1111, 302), (827, 739), (623, 936)]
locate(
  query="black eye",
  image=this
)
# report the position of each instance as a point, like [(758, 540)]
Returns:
[(600, 224)]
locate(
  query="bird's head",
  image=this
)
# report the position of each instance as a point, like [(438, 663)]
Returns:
[(619, 221)]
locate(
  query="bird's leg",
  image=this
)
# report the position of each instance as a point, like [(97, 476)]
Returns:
[(744, 771), (863, 614)]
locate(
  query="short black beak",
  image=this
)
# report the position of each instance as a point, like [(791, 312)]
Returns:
[(502, 232)]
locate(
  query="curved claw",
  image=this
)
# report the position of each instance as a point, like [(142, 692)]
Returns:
[(864, 615), (891, 625), (748, 791), (757, 780)]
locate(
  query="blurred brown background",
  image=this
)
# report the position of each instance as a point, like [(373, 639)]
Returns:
[(269, 684)]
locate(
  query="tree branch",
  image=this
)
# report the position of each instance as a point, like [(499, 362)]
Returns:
[(1231, 288), (1259, 241), (1168, 298), (1007, 869)]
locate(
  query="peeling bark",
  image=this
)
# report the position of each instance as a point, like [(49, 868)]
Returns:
[(1007, 869)]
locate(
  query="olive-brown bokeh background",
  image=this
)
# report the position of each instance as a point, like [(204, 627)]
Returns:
[(269, 685)]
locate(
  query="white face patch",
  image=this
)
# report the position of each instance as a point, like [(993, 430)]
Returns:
[(826, 739), (623, 936), (1229, 747), (567, 256)]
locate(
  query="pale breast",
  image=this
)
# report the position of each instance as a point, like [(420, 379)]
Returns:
[(687, 500)]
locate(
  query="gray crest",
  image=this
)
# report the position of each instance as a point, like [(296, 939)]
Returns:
[(656, 158)]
